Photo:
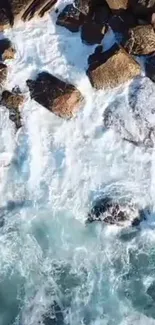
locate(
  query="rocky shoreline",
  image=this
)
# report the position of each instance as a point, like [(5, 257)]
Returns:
[(133, 26)]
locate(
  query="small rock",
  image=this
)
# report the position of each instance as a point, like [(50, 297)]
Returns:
[(6, 49), (141, 40), (13, 101), (70, 18), (115, 67), (3, 74), (12, 11), (57, 96), (111, 212), (92, 33)]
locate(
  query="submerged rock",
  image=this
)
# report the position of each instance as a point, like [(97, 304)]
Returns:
[(59, 97), (13, 101), (140, 40), (133, 118), (70, 18), (151, 290), (54, 316), (13, 10), (114, 67), (114, 213)]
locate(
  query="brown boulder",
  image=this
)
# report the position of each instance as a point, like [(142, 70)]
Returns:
[(6, 49), (92, 33), (70, 18), (13, 10), (57, 96), (3, 74), (12, 101), (114, 68), (115, 5), (140, 40)]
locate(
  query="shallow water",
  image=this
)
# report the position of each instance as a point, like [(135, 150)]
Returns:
[(51, 171)]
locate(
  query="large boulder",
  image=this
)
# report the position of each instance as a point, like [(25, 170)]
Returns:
[(13, 10), (70, 18), (114, 67), (13, 101), (140, 40), (59, 97), (117, 5), (114, 212), (7, 51)]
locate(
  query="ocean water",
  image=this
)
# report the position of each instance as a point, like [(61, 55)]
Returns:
[(54, 268)]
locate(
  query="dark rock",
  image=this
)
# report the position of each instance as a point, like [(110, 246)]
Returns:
[(3, 74), (151, 290), (114, 68), (121, 23), (57, 96), (70, 18), (54, 317), (96, 56), (112, 212), (6, 49), (150, 68), (13, 101), (101, 14), (14, 10), (92, 33), (140, 40), (142, 8)]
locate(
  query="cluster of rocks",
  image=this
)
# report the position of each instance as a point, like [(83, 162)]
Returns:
[(132, 23)]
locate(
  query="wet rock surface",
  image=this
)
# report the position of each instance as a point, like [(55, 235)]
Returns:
[(13, 101), (13, 10), (3, 74), (70, 18), (141, 40), (150, 68), (59, 97), (92, 33), (7, 51), (112, 212), (113, 68)]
